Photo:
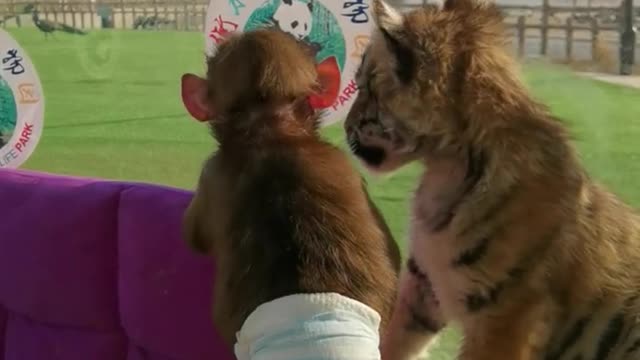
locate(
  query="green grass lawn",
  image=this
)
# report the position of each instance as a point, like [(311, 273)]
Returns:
[(113, 111)]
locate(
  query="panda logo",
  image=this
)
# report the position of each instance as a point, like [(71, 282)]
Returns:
[(294, 17)]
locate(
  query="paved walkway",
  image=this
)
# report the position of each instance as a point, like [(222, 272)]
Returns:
[(632, 81)]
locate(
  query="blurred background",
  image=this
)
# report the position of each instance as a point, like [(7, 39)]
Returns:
[(111, 70), (571, 31)]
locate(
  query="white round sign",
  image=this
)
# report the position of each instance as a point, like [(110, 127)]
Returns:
[(337, 31), (21, 104)]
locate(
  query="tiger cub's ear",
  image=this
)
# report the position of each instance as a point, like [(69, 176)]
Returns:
[(390, 22), (466, 5), (386, 17)]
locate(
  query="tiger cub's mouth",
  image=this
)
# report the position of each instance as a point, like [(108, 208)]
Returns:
[(370, 142), (383, 150), (371, 155)]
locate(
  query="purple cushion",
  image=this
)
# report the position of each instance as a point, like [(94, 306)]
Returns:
[(3, 328), (30, 339), (94, 269)]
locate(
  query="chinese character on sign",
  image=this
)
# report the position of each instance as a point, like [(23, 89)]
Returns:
[(358, 12), (221, 29), (236, 5), (13, 62)]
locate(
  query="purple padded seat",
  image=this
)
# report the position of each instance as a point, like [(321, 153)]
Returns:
[(97, 270)]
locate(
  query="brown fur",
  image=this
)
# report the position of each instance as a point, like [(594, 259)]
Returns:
[(510, 238), (280, 210)]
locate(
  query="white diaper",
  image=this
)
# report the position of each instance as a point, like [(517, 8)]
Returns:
[(326, 326)]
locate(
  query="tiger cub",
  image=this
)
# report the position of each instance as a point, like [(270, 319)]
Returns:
[(510, 238)]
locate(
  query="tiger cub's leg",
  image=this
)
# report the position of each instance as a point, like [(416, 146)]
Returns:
[(416, 317)]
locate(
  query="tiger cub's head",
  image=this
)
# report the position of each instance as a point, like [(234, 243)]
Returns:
[(412, 79)]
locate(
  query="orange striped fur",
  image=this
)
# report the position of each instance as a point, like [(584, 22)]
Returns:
[(510, 238)]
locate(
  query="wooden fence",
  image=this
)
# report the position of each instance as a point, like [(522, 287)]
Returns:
[(590, 34), (539, 24), (184, 15), (595, 26)]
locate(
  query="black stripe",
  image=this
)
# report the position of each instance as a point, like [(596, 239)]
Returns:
[(610, 337), (475, 302), (425, 288), (635, 346), (572, 337), (517, 272), (478, 301), (591, 210), (359, 70), (476, 164), (535, 254), (473, 255), (422, 323), (631, 301), (491, 211), (415, 270), (442, 221), (592, 207), (405, 58), (624, 339)]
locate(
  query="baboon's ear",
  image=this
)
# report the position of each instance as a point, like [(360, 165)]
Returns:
[(329, 84), (194, 97), (390, 22)]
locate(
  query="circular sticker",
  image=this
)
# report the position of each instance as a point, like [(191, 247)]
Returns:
[(336, 30), (21, 104)]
